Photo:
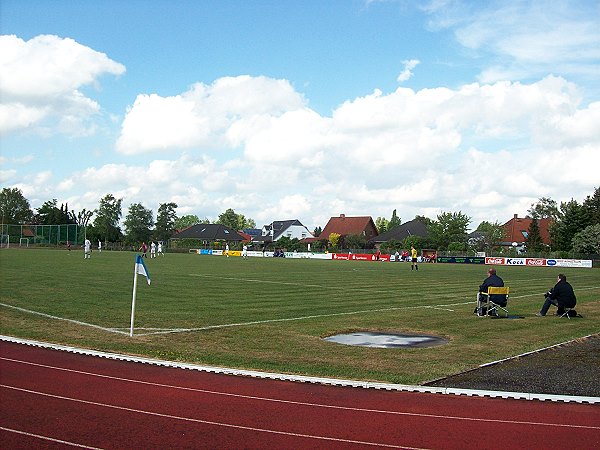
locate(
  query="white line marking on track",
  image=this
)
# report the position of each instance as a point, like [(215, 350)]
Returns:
[(47, 438), (293, 402), (208, 422)]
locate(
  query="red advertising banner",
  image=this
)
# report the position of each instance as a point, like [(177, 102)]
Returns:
[(535, 262), (358, 257), (494, 260)]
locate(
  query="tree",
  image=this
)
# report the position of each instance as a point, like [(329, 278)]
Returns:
[(235, 221), (317, 231), (81, 218), (492, 234), (545, 208), (449, 227), (290, 244), (391, 246), (574, 218), (588, 240), (187, 221), (394, 222), (138, 224), (357, 241), (382, 224), (50, 214), (534, 241), (412, 241), (14, 207), (106, 223), (592, 206), (334, 240), (165, 221)]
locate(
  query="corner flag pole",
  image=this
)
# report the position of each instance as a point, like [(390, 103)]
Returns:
[(133, 300), (139, 269)]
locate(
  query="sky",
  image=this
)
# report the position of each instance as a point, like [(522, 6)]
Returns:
[(301, 110)]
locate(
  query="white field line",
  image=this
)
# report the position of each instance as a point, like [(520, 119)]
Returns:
[(120, 330), (77, 322)]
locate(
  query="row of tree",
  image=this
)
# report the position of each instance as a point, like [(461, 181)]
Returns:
[(103, 223), (574, 226)]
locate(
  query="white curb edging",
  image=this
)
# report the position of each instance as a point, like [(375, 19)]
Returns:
[(308, 379)]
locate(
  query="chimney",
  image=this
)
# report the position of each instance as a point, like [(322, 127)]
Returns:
[(342, 216)]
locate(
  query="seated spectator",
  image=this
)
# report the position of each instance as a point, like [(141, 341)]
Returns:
[(492, 280), (561, 296)]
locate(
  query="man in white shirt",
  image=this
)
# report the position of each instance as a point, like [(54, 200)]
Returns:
[(87, 249)]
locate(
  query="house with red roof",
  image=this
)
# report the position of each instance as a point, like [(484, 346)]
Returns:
[(346, 226), (517, 230)]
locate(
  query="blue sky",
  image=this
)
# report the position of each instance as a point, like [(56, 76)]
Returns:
[(301, 110)]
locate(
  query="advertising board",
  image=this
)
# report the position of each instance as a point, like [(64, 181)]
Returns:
[(461, 259), (538, 262)]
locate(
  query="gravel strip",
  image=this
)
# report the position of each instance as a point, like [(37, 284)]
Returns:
[(569, 369)]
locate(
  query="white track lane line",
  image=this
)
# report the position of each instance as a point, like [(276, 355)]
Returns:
[(208, 422), (292, 402), (48, 438)]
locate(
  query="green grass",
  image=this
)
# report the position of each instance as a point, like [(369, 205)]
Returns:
[(271, 314)]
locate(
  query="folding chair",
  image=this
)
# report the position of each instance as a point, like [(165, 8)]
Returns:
[(491, 305), (566, 313)]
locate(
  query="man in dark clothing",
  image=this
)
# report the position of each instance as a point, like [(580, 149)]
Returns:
[(492, 280), (561, 295)]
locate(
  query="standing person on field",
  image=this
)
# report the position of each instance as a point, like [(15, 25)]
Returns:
[(160, 252), (99, 246), (413, 255), (87, 249), (561, 295), (152, 250), (144, 250), (245, 251), (227, 250)]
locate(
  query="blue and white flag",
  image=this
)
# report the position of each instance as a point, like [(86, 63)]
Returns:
[(140, 268)]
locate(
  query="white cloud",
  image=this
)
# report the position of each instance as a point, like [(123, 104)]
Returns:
[(215, 116), (40, 82), (525, 39), (488, 150), (407, 73)]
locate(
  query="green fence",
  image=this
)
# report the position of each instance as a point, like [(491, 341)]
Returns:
[(26, 235)]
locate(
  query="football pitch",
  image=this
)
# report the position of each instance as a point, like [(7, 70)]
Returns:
[(271, 314)]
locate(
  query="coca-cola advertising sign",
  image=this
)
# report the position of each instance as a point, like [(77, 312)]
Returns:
[(535, 262), (494, 261)]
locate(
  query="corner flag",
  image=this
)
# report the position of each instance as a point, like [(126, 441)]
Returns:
[(139, 269)]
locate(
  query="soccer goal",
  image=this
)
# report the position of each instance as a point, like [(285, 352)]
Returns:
[(23, 242), (4, 240)]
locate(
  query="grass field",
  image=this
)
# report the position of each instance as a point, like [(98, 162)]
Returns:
[(271, 314)]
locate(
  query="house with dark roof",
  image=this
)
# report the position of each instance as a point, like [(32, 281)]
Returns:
[(208, 232), (414, 227), (347, 226), (517, 230), (277, 229)]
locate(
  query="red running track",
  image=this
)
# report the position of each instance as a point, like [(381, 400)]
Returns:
[(57, 399)]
